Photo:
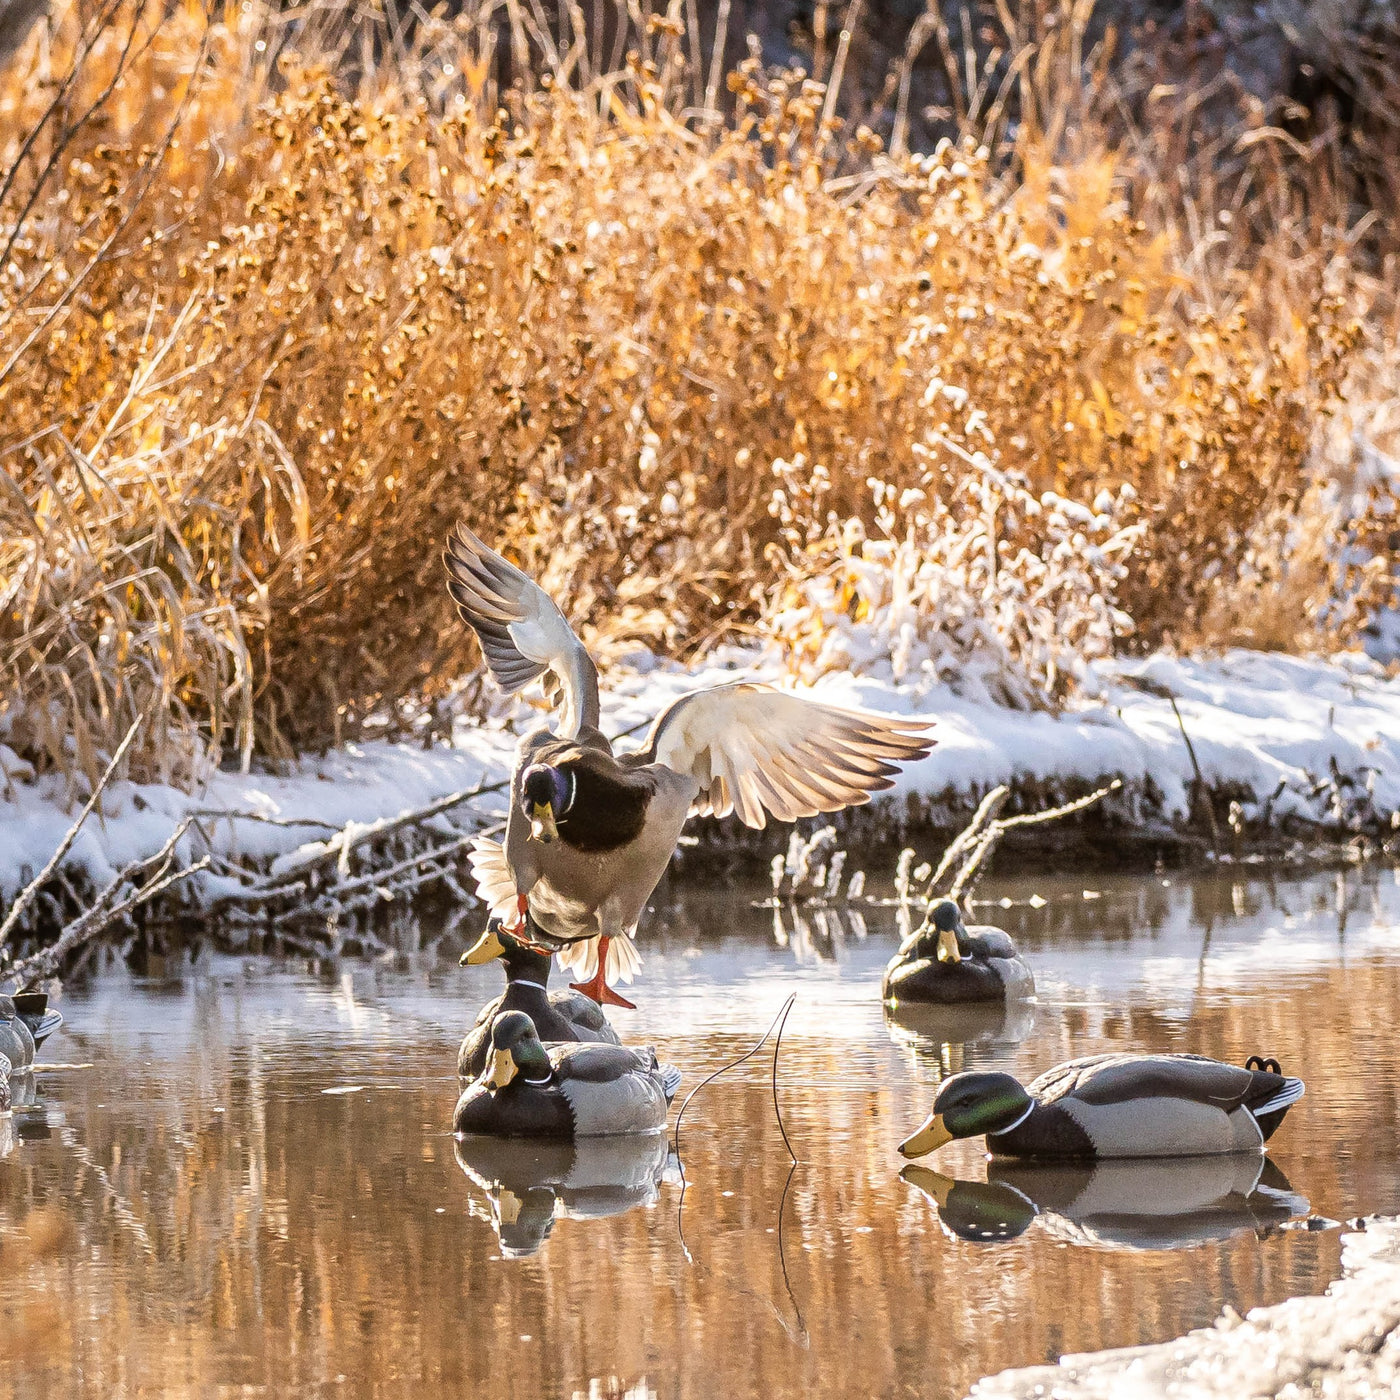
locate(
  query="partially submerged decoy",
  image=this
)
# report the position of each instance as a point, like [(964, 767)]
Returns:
[(1159, 1203), (557, 1016), (36, 1013), (1121, 1105), (530, 1185), (564, 1091), (591, 832), (944, 962)]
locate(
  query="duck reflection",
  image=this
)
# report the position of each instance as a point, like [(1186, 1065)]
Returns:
[(941, 1037), (1168, 1203), (531, 1184)]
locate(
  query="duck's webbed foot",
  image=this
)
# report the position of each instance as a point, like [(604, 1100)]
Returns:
[(597, 985), (522, 916)]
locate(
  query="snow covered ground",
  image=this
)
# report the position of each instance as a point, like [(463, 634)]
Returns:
[(1313, 739)]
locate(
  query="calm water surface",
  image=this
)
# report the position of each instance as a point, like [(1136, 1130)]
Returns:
[(251, 1189)]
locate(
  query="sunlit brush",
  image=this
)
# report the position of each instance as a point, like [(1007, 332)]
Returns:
[(1114, 1106), (590, 833)]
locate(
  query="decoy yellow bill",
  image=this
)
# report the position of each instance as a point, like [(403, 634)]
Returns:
[(930, 1137), (486, 949), (503, 1069)]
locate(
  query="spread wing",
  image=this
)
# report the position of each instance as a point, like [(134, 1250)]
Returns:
[(759, 751), (495, 885), (521, 631)]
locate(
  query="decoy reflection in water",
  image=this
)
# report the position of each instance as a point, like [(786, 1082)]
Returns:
[(1165, 1203), (1120, 1105), (591, 832), (530, 1185), (945, 962), (534, 1090), (944, 1035), (557, 1016)]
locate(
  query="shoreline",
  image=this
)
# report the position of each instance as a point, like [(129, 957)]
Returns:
[(1291, 761), (1344, 1344)]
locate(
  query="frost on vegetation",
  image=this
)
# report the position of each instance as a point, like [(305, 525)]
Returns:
[(975, 581)]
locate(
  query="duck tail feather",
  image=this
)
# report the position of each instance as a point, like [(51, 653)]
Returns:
[(580, 958), (670, 1081), (1290, 1093), (624, 961)]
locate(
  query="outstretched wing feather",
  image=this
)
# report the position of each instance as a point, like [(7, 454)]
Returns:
[(758, 751)]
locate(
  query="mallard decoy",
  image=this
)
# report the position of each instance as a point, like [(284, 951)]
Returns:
[(1114, 1106), (36, 1013), (591, 832), (531, 1184), (16, 1038), (945, 962), (558, 1016), (563, 1091), (1160, 1203)]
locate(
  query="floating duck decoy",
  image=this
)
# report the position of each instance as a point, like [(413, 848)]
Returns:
[(1120, 1105), (590, 832), (36, 1013), (530, 1185), (16, 1038), (564, 1091), (557, 1016), (1160, 1203), (946, 962)]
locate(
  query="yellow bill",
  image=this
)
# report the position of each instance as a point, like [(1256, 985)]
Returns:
[(948, 946), (542, 827), (486, 949), (929, 1138), (503, 1069)]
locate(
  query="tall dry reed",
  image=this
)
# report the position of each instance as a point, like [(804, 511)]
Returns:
[(273, 316)]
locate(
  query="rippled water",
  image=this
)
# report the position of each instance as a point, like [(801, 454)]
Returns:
[(252, 1189)]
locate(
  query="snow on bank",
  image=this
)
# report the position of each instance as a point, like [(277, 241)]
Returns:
[(1344, 1345), (1291, 737)]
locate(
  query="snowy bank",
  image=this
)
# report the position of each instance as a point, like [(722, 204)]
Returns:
[(1308, 742), (1344, 1345)]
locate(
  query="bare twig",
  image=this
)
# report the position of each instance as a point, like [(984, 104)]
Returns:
[(1202, 791), (27, 895)]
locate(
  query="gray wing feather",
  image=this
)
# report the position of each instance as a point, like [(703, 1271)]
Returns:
[(1110, 1079)]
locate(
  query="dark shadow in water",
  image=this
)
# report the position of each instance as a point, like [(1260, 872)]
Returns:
[(531, 1184), (1167, 1203)]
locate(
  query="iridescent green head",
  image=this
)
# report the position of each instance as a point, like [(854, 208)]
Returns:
[(970, 1105)]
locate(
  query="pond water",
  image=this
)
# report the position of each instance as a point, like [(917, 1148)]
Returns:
[(251, 1187)]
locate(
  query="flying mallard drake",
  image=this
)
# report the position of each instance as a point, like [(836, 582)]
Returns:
[(564, 1091), (944, 962), (557, 1016), (591, 832), (1114, 1106)]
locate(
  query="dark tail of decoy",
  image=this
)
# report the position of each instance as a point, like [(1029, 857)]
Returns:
[(1273, 1094)]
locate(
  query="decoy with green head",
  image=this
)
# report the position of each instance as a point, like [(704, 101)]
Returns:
[(944, 962), (530, 1089), (1107, 1106), (590, 832), (557, 1016)]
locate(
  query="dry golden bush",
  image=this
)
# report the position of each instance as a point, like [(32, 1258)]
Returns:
[(266, 332)]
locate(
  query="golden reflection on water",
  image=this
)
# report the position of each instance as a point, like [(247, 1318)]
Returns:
[(197, 1215)]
